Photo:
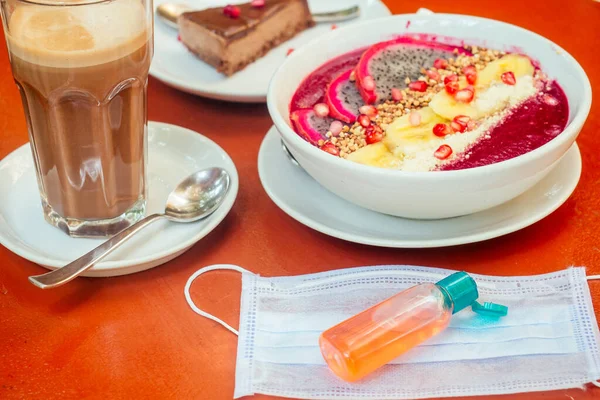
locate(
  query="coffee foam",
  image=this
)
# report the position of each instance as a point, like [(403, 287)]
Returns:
[(78, 36)]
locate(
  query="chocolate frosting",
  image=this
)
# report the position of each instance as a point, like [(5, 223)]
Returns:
[(216, 21)]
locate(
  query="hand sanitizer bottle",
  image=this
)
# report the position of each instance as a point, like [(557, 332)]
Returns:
[(358, 346)]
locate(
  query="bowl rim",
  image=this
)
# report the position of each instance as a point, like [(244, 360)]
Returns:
[(291, 137)]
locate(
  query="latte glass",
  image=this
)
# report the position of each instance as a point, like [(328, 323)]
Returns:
[(81, 67)]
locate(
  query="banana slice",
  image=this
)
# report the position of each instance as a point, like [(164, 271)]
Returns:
[(401, 137), (410, 141), (517, 64), (427, 116), (447, 107), (376, 155)]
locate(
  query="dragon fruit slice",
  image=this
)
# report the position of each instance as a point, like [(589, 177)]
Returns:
[(308, 125), (389, 63), (343, 98)]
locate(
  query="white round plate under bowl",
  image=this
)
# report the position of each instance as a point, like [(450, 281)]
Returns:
[(302, 198), (174, 65), (174, 153)]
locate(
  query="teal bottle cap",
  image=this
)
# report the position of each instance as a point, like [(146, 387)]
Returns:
[(461, 290), (490, 309)]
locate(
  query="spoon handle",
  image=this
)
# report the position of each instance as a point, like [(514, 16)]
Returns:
[(70, 271)]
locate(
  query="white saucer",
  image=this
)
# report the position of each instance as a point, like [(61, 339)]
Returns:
[(302, 198), (174, 153), (176, 66)]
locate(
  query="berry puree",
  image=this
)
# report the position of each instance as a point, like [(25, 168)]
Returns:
[(415, 104), (531, 125)]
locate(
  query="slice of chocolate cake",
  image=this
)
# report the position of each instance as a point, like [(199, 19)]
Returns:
[(229, 38)]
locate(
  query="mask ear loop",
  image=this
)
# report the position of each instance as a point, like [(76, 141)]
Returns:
[(188, 297), (593, 278)]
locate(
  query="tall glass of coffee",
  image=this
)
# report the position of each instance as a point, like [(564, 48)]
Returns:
[(82, 69)]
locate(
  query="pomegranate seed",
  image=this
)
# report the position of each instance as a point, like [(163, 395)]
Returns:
[(396, 94), (451, 84), (551, 101), (368, 110), (432, 74), (456, 127), (321, 109), (508, 78), (414, 118), (470, 73), (335, 128), (330, 148), (290, 51), (450, 78), (334, 26), (460, 123), (440, 63), (257, 3), (462, 119), (374, 134), (464, 95), (471, 125), (179, 38), (451, 87), (441, 130), (418, 86), (368, 83), (364, 120), (443, 152), (232, 11)]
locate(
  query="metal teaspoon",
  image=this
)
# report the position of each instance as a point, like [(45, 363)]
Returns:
[(195, 198)]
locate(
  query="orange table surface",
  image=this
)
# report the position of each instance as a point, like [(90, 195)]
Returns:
[(134, 337)]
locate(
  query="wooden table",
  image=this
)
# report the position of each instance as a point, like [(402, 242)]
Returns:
[(134, 337)]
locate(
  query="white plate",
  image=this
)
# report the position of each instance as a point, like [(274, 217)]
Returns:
[(176, 66), (174, 153), (302, 198)]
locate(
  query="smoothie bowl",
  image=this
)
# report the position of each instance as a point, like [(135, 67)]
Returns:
[(429, 116)]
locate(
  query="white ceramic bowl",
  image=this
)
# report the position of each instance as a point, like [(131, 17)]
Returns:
[(440, 194)]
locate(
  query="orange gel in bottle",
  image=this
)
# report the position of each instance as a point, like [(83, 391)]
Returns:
[(363, 343)]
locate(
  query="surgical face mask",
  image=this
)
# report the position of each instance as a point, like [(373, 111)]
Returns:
[(549, 340)]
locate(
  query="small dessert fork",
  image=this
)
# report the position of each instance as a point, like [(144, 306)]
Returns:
[(169, 12)]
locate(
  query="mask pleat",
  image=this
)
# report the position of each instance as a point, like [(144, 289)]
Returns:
[(290, 321), (431, 353), (449, 336), (414, 381)]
